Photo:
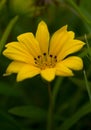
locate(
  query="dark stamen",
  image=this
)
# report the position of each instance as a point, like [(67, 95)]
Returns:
[(51, 55), (55, 57), (38, 56), (35, 59), (44, 54)]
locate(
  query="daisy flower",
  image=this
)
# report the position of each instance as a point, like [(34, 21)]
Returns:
[(32, 55)]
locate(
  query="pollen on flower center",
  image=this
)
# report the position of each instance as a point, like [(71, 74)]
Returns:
[(45, 61)]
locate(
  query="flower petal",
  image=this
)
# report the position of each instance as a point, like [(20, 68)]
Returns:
[(73, 62), (16, 51), (62, 70), (28, 40), (48, 74), (14, 67), (27, 71), (42, 35), (69, 48), (59, 39)]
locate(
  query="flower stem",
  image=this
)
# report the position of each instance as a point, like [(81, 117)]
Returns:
[(50, 111), (87, 85), (56, 89)]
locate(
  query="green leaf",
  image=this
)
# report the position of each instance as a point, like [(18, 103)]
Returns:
[(34, 113), (76, 117)]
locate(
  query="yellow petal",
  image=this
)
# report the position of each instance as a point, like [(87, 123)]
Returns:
[(73, 62), (62, 70), (28, 40), (69, 48), (59, 39), (16, 51), (27, 71), (48, 74), (42, 36), (14, 67)]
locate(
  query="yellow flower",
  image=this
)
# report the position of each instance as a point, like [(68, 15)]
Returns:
[(33, 55)]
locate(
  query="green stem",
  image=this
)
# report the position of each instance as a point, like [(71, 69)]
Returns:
[(87, 85), (50, 111), (56, 89), (88, 47), (7, 32), (78, 11), (88, 36)]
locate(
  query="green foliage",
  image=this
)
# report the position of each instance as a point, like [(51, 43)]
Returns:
[(24, 105), (34, 113), (86, 109)]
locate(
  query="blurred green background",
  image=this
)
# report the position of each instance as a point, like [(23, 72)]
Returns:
[(24, 105)]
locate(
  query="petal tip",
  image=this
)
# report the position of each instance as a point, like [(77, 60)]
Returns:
[(6, 74), (42, 22), (48, 74), (65, 27)]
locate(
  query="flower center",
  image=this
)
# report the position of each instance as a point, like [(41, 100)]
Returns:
[(45, 61)]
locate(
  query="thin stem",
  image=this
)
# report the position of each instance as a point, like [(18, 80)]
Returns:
[(56, 89), (7, 32), (78, 11), (88, 47), (87, 85), (50, 111), (87, 36)]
